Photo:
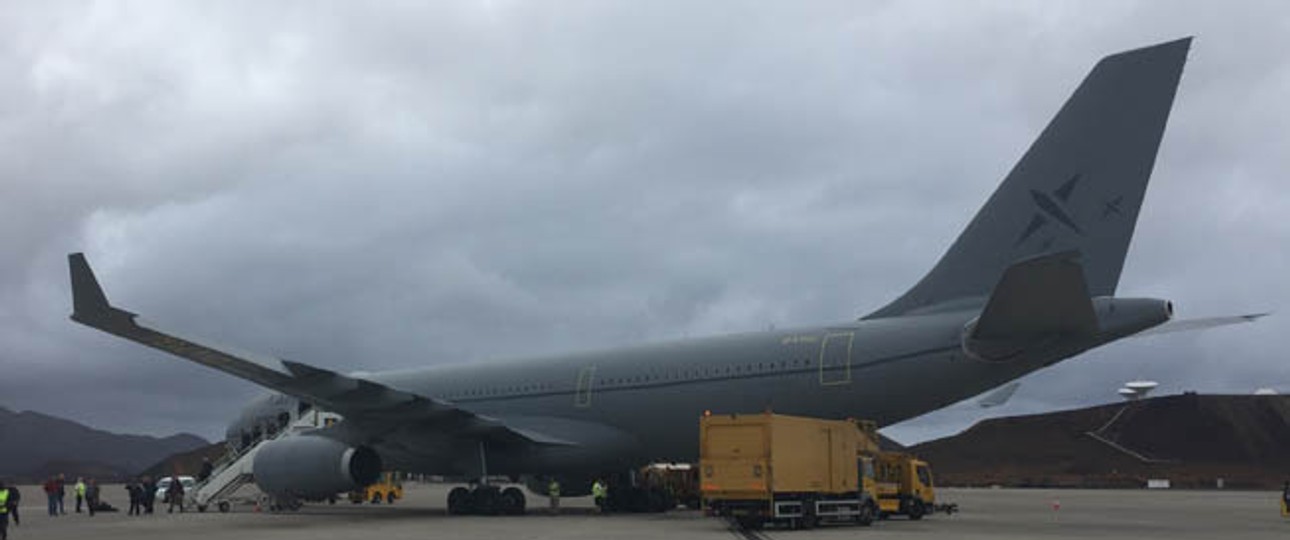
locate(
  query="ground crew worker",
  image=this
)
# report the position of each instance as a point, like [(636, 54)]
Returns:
[(4, 512), (600, 494), (553, 491), (79, 488), (14, 499), (1285, 500)]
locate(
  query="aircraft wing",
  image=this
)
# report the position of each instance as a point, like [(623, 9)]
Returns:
[(999, 396), (371, 407)]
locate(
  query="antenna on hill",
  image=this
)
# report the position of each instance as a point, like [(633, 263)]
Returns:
[(1135, 390)]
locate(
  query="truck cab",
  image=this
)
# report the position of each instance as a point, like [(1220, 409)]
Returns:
[(904, 485)]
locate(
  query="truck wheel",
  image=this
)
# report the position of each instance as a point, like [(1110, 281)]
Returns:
[(916, 510), (750, 523), (223, 507), (389, 498), (867, 514), (809, 519), (376, 498), (201, 509)]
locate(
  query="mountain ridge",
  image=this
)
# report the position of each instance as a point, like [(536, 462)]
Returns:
[(38, 444)]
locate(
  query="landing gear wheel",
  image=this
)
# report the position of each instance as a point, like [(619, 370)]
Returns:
[(223, 507), (512, 501), (486, 500), (459, 501)]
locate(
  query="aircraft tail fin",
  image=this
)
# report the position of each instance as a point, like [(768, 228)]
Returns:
[(1078, 188)]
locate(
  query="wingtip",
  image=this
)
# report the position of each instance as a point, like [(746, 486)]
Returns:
[(87, 295)]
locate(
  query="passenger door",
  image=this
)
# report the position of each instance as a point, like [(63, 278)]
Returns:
[(835, 358)]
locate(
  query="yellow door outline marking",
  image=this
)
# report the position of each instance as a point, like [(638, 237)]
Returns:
[(582, 395), (846, 361)]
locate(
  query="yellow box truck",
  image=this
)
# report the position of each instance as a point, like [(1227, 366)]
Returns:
[(761, 468)]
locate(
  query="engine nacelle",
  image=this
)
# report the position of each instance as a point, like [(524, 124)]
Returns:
[(312, 467)]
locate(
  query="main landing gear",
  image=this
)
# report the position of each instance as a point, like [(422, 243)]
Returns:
[(486, 500)]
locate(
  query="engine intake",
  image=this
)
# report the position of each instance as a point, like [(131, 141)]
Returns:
[(313, 467)]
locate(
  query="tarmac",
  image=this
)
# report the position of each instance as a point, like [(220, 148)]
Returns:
[(985, 513)]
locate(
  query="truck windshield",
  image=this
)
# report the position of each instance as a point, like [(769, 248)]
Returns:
[(924, 475)]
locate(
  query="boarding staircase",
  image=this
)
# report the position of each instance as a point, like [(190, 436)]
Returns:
[(234, 470)]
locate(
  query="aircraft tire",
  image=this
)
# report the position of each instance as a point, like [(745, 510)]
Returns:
[(513, 501), (459, 501)]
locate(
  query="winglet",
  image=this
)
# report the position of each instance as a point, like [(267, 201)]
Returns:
[(88, 301)]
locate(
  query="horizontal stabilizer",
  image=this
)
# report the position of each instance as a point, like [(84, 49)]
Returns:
[(1036, 298), (1187, 325)]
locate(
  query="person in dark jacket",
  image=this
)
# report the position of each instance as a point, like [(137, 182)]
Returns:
[(135, 491), (175, 495), (92, 496), (149, 494), (207, 469), (62, 493)]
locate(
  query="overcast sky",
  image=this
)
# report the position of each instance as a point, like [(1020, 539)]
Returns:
[(434, 182)]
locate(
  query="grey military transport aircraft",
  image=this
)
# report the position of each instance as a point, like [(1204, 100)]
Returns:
[(1030, 282)]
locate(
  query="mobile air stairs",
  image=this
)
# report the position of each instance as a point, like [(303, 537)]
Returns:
[(233, 471)]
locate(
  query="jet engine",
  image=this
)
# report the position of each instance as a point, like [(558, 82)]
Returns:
[(313, 467)]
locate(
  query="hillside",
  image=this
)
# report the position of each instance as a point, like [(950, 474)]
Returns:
[(1191, 439), (186, 463), (37, 445)]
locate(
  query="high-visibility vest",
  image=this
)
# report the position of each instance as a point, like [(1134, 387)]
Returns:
[(80, 489), (553, 488), (4, 501), (598, 490)]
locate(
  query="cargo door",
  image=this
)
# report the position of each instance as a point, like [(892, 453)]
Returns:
[(835, 358), (734, 459)]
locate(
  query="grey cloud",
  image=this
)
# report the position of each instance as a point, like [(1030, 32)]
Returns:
[(367, 189)]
